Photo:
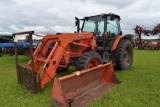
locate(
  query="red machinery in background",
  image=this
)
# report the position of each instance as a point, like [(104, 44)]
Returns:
[(139, 30)]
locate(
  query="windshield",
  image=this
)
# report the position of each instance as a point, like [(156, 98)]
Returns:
[(94, 24)]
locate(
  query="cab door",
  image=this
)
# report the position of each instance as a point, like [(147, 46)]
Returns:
[(113, 30)]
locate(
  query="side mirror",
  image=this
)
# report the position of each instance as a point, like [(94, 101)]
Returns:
[(77, 24), (112, 17), (76, 21), (120, 33)]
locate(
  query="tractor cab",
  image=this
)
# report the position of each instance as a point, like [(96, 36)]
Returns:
[(106, 27)]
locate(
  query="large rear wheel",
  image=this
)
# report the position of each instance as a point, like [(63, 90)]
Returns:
[(88, 60), (124, 55)]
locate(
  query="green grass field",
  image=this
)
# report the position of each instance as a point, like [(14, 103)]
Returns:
[(139, 88)]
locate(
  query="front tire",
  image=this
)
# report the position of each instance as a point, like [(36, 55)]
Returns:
[(124, 55), (88, 60)]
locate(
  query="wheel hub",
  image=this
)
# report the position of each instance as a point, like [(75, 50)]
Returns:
[(93, 63), (126, 57)]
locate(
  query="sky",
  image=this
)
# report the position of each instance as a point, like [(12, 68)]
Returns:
[(52, 16)]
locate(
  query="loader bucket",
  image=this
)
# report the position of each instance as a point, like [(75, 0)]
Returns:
[(80, 88)]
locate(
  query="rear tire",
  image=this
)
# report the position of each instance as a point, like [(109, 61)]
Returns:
[(88, 60), (123, 55)]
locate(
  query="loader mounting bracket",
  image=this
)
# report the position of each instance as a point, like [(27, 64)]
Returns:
[(25, 77)]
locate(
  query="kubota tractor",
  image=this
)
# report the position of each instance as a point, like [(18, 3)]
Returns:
[(90, 49)]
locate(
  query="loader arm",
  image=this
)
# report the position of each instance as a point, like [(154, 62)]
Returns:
[(44, 65)]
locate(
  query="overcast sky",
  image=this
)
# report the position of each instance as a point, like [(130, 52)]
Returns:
[(58, 15)]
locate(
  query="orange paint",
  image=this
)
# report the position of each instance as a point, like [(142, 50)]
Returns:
[(61, 52)]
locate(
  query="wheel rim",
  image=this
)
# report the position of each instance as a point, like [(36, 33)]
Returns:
[(127, 57), (93, 63)]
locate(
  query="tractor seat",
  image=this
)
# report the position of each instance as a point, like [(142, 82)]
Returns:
[(99, 40), (99, 49)]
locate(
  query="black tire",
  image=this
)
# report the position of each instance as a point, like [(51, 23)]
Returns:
[(88, 58), (123, 55)]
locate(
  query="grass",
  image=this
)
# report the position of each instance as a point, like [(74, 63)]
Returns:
[(139, 88)]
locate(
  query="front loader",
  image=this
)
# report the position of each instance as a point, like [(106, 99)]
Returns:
[(92, 49)]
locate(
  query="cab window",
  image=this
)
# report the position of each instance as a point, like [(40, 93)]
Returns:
[(112, 27)]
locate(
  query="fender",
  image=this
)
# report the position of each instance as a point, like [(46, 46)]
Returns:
[(119, 38)]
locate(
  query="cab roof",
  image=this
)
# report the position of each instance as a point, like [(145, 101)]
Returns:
[(103, 14)]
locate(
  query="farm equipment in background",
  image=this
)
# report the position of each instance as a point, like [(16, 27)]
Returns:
[(23, 46), (146, 44), (91, 50), (5, 38)]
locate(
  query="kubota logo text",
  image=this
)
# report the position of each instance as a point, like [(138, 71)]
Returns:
[(79, 36)]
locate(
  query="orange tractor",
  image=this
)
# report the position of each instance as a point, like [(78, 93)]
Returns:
[(91, 49)]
